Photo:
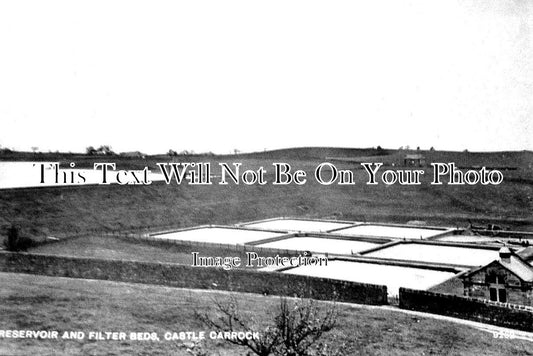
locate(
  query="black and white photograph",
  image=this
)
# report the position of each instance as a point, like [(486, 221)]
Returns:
[(285, 178)]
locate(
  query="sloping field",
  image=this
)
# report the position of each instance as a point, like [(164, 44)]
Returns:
[(48, 211), (112, 248), (30, 302)]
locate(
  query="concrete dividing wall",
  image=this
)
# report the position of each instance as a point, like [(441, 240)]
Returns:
[(248, 247), (182, 276), (515, 317)]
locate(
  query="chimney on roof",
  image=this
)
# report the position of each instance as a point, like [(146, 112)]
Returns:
[(505, 255)]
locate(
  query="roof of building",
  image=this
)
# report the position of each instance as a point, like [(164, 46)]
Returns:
[(526, 254), (414, 156), (505, 250), (519, 267), (515, 264)]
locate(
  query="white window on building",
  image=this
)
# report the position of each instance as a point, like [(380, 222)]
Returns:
[(497, 289)]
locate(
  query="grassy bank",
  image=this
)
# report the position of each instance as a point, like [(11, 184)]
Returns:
[(48, 303), (113, 248), (49, 211)]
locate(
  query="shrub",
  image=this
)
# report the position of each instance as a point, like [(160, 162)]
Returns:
[(15, 242), (295, 329)]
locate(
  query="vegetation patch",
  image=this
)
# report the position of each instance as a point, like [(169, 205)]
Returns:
[(110, 306)]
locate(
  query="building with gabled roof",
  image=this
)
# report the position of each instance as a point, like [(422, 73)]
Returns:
[(414, 159), (508, 279)]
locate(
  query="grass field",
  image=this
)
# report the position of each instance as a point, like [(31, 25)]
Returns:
[(63, 304), (112, 248), (37, 302), (48, 211), (105, 247)]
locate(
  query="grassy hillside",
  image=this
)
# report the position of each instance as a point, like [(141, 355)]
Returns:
[(113, 248), (49, 211), (38, 302), (521, 159), (63, 304)]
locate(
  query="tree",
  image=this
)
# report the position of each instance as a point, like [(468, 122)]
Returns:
[(105, 150), (295, 330), (12, 238), (302, 326), (15, 242), (91, 151)]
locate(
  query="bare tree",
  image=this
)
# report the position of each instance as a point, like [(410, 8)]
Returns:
[(230, 320), (302, 326), (294, 331)]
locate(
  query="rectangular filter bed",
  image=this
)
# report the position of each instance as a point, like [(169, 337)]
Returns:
[(298, 225), (321, 245), (437, 254), (218, 235), (390, 231), (468, 239), (393, 277)]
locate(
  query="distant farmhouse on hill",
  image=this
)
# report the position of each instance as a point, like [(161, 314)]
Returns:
[(414, 159)]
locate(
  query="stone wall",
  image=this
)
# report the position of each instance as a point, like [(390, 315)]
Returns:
[(183, 276), (510, 316)]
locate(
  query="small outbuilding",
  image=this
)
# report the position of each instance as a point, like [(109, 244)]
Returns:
[(508, 279), (415, 159)]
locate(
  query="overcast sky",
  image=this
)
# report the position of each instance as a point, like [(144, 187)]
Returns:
[(253, 75)]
